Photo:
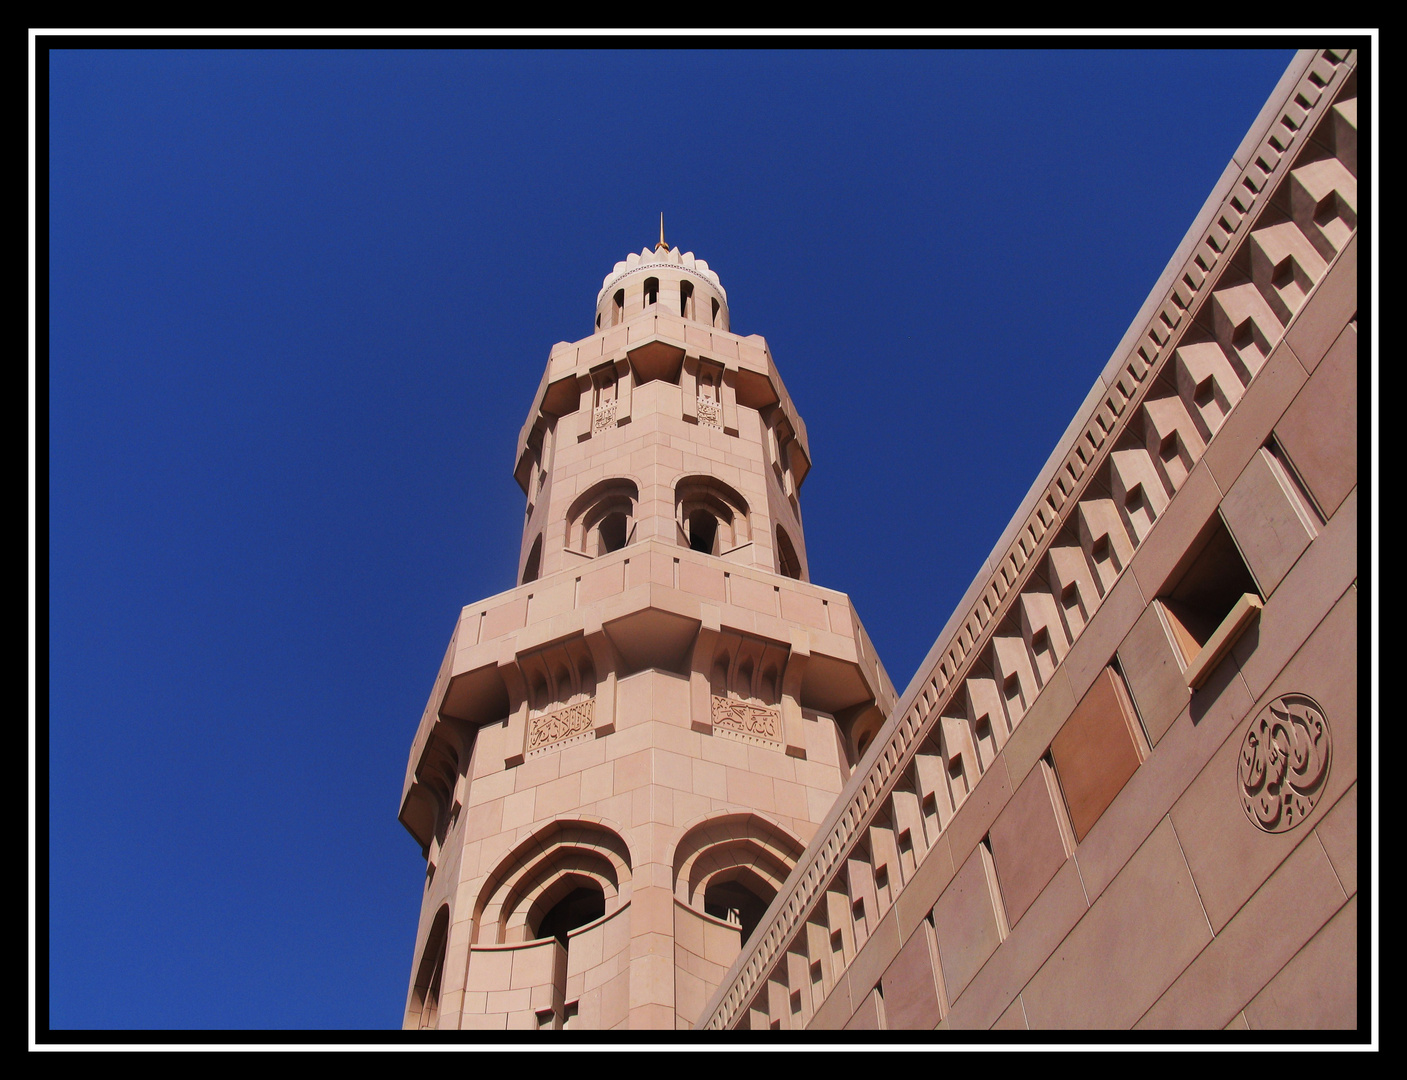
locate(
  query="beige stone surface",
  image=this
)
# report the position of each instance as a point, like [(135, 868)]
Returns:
[(1274, 924), (1052, 915), (1136, 939), (1319, 431), (1014, 1019), (1155, 674), (1265, 515), (1030, 841), (910, 985), (1338, 832), (1318, 989), (968, 921)]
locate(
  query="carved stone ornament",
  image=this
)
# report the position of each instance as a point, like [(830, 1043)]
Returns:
[(746, 718), (560, 724), (1284, 762), (604, 418), (710, 415)]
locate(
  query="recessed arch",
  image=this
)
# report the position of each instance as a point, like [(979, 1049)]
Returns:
[(723, 860), (602, 518), (788, 563), (543, 870), (533, 563), (424, 1010), (712, 517)]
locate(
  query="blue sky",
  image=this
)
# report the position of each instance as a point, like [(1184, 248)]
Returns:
[(298, 306)]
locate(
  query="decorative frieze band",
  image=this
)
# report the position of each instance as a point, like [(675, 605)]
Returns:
[(762, 722), (560, 725)]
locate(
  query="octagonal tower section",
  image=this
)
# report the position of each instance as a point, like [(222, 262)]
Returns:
[(624, 756)]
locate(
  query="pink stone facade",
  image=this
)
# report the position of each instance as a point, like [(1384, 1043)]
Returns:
[(1121, 792), (665, 782)]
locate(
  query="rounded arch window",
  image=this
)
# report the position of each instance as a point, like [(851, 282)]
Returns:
[(787, 562), (585, 903), (602, 518), (612, 532), (711, 516), (741, 901), (703, 531), (732, 866), (534, 561)]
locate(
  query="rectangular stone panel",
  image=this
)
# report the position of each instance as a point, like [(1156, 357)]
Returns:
[(1097, 750), (1312, 587), (1318, 989), (1283, 914), (1334, 302), (1149, 659), (869, 1016), (755, 595), (705, 581), (1059, 907), (1319, 431), (968, 921), (1130, 946), (1265, 515), (910, 985), (1030, 840)]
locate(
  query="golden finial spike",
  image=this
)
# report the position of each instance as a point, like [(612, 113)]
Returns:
[(662, 246)]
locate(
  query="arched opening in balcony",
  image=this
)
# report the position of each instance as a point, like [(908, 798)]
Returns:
[(712, 517), (602, 518)]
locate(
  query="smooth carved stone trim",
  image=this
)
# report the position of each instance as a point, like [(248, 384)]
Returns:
[(710, 415), (1284, 762), (605, 417), (761, 722), (560, 725)]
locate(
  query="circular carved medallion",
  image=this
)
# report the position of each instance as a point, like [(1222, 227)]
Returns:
[(1284, 762)]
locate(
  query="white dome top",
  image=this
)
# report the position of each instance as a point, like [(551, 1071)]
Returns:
[(671, 259)]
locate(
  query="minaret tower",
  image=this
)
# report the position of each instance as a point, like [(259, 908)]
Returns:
[(624, 755)]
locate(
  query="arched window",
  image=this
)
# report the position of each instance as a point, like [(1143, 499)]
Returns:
[(686, 299), (732, 866), (602, 518), (424, 1011), (652, 290), (712, 517), (787, 562), (584, 904), (734, 902), (534, 560), (715, 312), (618, 312), (612, 532), (703, 531)]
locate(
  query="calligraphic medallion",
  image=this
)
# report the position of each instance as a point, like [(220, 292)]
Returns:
[(1284, 762)]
